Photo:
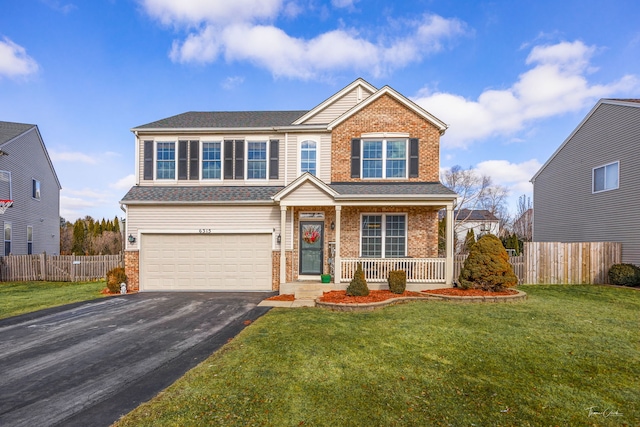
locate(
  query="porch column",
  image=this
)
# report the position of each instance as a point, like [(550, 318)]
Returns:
[(337, 270), (283, 243), (448, 270)]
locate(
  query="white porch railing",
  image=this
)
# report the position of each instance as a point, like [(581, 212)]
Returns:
[(419, 270)]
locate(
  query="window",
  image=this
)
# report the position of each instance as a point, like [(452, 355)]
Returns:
[(257, 160), (35, 189), (29, 240), (384, 159), (606, 177), (7, 238), (211, 160), (308, 162), (384, 236), (166, 160)]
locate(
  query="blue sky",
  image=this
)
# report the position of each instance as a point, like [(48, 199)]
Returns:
[(511, 78)]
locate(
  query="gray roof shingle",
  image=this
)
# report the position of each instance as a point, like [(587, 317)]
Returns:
[(226, 119), (391, 188), (9, 130), (201, 194)]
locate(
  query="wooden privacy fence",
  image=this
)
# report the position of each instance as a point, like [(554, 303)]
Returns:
[(57, 268), (560, 263)]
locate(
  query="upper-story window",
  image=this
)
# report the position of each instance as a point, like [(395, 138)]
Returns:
[(35, 189), (384, 158), (165, 160), (606, 177), (257, 160), (308, 157), (211, 160)]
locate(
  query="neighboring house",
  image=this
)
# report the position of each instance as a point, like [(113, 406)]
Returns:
[(27, 176), (523, 225), (589, 190), (263, 200), (481, 221)]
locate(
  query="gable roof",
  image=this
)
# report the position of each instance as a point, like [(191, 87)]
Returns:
[(301, 180), (387, 90), (632, 103), (11, 130), (224, 120)]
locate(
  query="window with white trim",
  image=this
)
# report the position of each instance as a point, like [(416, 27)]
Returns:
[(308, 157), (212, 160), (35, 189), (383, 236), (7, 238), (385, 158), (257, 160), (29, 240), (606, 177), (165, 160)]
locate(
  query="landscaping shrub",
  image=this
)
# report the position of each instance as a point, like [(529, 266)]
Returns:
[(115, 276), (358, 286), (624, 274), (487, 267), (397, 281)]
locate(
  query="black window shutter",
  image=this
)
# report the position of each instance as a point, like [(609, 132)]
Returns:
[(273, 158), (355, 158), (414, 165), (182, 159), (148, 160), (194, 157), (239, 160), (228, 159)]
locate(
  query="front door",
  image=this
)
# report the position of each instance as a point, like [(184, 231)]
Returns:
[(311, 243)]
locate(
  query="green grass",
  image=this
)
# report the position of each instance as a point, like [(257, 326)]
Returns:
[(24, 297), (568, 356)]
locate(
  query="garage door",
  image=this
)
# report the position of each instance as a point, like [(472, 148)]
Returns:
[(205, 262)]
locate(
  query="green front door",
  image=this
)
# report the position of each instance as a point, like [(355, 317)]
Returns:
[(311, 244)]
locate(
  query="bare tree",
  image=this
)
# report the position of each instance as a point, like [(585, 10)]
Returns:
[(523, 224)]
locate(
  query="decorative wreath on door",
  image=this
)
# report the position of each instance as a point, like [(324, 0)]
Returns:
[(310, 233)]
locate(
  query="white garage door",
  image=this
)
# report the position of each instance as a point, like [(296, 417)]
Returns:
[(205, 262)]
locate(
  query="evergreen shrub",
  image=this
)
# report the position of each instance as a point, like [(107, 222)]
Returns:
[(624, 274), (115, 276), (358, 286), (487, 267), (397, 281)]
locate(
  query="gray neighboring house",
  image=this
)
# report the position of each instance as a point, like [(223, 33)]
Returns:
[(27, 176), (589, 190)]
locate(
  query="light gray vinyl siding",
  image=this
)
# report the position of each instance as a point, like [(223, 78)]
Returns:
[(192, 218), (323, 155), (26, 161), (339, 107), (566, 209)]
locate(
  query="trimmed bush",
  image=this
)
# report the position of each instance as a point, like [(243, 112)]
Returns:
[(358, 286), (115, 276), (397, 281), (487, 267), (624, 274)]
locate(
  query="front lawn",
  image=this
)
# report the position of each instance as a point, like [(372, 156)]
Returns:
[(566, 356), (24, 297)]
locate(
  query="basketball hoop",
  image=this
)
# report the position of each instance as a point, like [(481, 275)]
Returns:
[(4, 205)]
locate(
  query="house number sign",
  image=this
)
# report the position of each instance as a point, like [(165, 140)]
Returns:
[(205, 231)]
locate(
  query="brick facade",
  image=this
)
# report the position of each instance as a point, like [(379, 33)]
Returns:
[(386, 115), (132, 270)]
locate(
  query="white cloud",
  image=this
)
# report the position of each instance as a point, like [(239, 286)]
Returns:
[(195, 12), (124, 183), (78, 203), (14, 61), (71, 156), (283, 55), (232, 82), (514, 176), (555, 85), (343, 3)]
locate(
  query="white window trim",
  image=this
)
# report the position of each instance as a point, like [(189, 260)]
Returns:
[(29, 241), (384, 231), (201, 160), (299, 162), (246, 159), (39, 192), (10, 183), (155, 160), (4, 235), (384, 157), (593, 177)]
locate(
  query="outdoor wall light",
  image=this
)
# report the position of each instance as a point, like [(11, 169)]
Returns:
[(333, 225), (131, 239), (279, 239)]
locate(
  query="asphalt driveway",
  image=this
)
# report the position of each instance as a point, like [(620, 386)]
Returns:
[(88, 364)]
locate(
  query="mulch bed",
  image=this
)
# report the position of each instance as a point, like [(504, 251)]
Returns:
[(340, 297), (283, 297), (457, 292)]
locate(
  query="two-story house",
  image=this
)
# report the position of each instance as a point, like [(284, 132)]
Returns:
[(481, 221), (588, 190), (262, 200), (28, 180)]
